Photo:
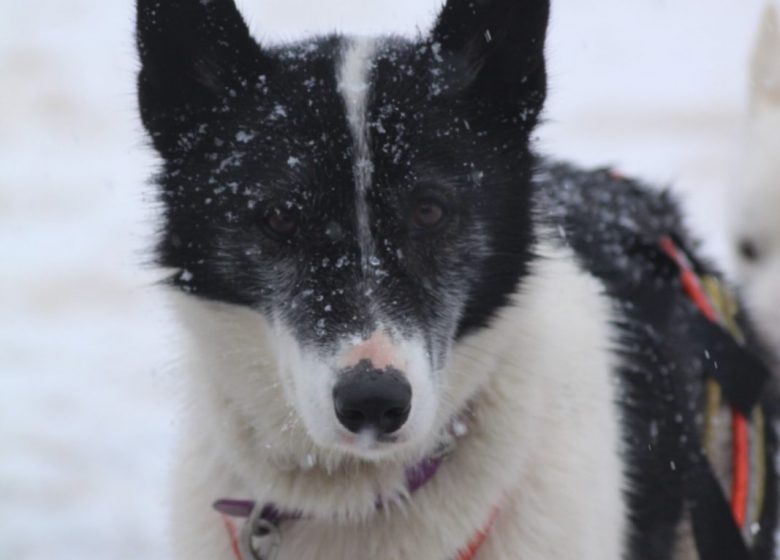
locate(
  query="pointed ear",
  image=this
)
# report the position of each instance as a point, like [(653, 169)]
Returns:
[(765, 66), (499, 43), (195, 56)]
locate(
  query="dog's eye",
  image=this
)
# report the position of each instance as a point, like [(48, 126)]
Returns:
[(280, 223), (428, 214), (748, 250)]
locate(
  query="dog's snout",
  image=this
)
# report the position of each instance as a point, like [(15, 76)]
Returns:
[(367, 398)]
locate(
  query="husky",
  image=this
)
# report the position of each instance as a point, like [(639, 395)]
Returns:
[(755, 228), (408, 335)]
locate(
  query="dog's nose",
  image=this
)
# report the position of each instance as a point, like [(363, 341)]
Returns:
[(367, 398)]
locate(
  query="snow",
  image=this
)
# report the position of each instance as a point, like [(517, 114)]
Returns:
[(88, 397)]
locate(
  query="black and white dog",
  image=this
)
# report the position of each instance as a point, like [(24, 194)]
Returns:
[(411, 338)]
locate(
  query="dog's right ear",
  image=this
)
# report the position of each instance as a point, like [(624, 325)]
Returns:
[(197, 56), (765, 66), (498, 45)]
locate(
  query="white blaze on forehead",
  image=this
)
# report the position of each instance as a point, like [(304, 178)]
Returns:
[(353, 81)]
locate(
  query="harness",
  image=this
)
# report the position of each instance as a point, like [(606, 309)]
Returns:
[(724, 528)]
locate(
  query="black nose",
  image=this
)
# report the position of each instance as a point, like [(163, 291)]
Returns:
[(369, 398)]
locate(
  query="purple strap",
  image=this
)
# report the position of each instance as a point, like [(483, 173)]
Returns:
[(420, 474), (417, 476)]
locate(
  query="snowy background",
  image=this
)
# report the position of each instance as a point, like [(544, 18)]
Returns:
[(87, 355)]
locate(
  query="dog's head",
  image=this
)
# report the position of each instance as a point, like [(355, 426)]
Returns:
[(755, 224), (368, 198)]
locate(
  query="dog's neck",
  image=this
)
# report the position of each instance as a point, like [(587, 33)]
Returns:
[(416, 477), (261, 522)]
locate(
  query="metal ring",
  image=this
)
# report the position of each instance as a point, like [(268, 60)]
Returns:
[(260, 539)]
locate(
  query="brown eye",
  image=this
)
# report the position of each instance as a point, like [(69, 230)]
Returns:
[(428, 214), (748, 250), (280, 223)]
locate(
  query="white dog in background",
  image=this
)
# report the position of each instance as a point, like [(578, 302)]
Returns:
[(755, 227)]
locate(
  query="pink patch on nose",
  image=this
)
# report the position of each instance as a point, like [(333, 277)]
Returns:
[(379, 350)]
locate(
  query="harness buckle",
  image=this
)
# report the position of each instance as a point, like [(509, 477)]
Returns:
[(260, 539)]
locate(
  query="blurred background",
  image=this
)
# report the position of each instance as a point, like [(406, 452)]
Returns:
[(88, 383)]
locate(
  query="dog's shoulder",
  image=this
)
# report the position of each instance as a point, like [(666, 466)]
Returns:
[(605, 217), (675, 313), (633, 238)]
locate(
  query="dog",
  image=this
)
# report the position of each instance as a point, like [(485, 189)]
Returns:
[(755, 230), (409, 336)]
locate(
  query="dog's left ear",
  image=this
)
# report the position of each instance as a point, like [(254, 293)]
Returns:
[(498, 45), (197, 57)]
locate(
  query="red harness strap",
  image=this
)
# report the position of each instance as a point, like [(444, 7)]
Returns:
[(470, 552), (230, 527), (740, 482)]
